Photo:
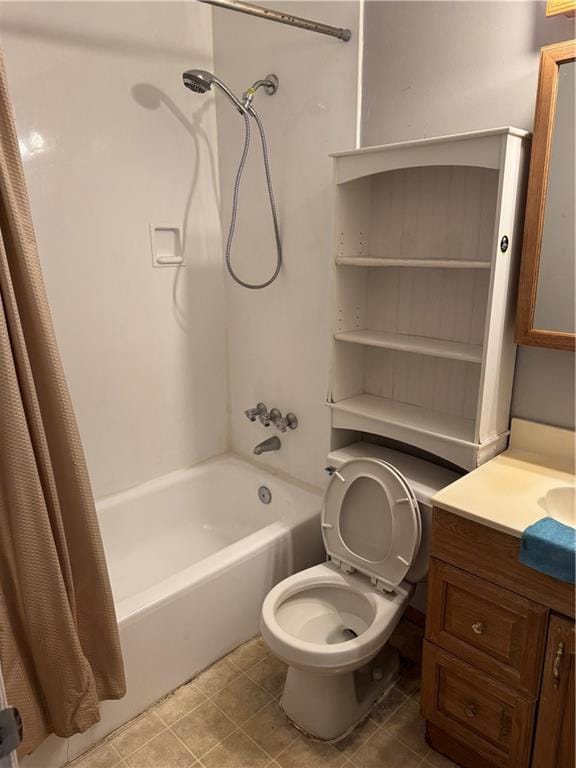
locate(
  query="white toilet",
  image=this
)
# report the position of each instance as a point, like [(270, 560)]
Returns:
[(330, 621)]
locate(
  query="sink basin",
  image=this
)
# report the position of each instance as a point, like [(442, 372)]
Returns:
[(560, 503)]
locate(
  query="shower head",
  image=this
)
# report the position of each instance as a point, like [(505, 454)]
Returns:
[(198, 80), (201, 81)]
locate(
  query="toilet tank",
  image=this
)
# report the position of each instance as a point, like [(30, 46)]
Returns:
[(425, 479)]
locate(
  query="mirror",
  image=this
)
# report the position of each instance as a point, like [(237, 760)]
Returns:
[(554, 310), (554, 7), (546, 302)]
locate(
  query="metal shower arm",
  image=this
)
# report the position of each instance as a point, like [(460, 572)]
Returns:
[(282, 18)]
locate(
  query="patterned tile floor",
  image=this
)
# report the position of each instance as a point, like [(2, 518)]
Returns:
[(229, 717)]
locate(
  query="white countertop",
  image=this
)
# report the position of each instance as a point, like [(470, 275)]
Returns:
[(509, 492)]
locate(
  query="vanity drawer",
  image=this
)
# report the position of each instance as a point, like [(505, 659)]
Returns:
[(493, 555), (493, 629), (494, 722)]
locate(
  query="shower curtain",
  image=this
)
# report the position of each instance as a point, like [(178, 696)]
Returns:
[(59, 644)]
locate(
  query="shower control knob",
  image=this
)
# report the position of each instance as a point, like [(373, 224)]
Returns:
[(275, 417), (263, 415), (291, 420), (260, 412), (282, 423)]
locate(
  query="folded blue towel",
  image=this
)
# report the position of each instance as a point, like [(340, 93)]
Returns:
[(550, 547)]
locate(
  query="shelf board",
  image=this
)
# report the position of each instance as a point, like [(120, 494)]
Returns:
[(420, 345), (506, 130), (409, 418), (370, 261)]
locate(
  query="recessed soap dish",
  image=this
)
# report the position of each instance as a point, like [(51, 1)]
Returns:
[(166, 246)]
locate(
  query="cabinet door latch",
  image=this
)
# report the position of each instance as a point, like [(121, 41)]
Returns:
[(558, 664)]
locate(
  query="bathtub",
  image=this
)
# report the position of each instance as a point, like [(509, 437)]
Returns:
[(191, 557)]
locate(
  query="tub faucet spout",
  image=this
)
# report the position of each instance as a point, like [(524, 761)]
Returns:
[(272, 444)]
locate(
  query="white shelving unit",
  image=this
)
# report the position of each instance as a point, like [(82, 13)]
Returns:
[(420, 345), (358, 261), (427, 239)]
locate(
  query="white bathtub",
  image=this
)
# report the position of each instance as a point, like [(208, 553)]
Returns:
[(191, 557)]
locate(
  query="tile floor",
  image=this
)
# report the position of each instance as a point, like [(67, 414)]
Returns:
[(229, 717)]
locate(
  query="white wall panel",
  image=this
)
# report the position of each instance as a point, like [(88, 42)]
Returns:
[(112, 143), (279, 338)]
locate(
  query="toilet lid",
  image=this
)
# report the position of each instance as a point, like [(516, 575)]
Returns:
[(371, 520)]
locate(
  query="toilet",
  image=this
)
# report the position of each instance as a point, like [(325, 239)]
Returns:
[(330, 623)]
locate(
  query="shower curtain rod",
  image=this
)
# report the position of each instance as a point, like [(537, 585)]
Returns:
[(282, 18)]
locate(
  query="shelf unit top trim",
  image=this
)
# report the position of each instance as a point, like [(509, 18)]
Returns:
[(504, 131), (479, 149)]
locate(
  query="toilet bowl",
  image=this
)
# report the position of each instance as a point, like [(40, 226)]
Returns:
[(327, 620), (330, 623)]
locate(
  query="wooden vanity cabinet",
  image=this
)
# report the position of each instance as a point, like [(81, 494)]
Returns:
[(554, 745), (498, 664)]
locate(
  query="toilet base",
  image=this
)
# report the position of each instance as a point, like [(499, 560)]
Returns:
[(328, 707)]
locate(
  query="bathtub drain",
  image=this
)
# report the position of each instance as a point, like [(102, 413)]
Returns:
[(264, 494)]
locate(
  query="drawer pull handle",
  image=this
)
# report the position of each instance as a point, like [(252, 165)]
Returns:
[(558, 664), (478, 628), (471, 710)]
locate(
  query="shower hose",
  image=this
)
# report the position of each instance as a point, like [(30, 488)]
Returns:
[(235, 196)]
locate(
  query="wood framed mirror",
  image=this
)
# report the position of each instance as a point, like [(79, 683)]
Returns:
[(555, 7), (546, 315)]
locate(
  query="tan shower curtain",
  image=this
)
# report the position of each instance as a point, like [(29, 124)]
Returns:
[(59, 645)]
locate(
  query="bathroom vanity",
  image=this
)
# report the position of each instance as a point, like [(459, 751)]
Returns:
[(498, 666)]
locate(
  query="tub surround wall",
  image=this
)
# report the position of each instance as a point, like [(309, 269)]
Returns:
[(434, 68), (112, 143), (279, 338)]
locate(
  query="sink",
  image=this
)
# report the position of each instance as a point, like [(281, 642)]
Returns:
[(560, 504)]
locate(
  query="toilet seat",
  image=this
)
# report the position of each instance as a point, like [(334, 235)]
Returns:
[(371, 521), (371, 526)]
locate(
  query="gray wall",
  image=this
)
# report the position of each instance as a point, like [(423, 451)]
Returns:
[(433, 68)]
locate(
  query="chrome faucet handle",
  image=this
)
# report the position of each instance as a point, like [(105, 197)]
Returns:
[(263, 415), (276, 418), (291, 420), (259, 412)]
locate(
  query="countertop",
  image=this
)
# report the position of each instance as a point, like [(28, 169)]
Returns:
[(509, 492)]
